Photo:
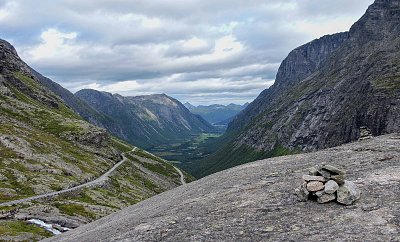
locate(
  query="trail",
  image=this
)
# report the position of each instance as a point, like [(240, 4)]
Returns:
[(95, 182)]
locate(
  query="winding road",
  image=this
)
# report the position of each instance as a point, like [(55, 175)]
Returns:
[(182, 176), (95, 182)]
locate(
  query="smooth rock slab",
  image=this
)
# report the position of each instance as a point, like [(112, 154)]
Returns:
[(331, 187), (348, 193), (314, 186), (325, 198)]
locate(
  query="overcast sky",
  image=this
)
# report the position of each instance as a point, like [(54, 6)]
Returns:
[(201, 51)]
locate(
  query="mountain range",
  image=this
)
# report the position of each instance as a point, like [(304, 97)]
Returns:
[(324, 92), (217, 114), (145, 121)]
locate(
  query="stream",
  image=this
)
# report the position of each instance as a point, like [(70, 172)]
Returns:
[(52, 228)]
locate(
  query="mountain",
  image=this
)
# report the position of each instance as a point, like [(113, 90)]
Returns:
[(324, 92), (46, 147), (216, 114), (256, 202), (145, 121)]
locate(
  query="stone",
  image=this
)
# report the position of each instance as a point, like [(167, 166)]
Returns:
[(326, 198), (314, 186), (331, 187), (339, 179), (333, 170), (324, 173), (313, 171), (314, 178), (319, 193), (302, 192), (348, 193)]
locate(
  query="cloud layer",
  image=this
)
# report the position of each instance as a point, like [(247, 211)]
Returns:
[(200, 51)]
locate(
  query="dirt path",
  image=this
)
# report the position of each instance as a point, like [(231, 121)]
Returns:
[(95, 182)]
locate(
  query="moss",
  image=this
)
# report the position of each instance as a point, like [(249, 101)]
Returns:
[(75, 209), (13, 228)]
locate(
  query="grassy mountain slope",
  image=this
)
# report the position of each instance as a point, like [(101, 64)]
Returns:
[(45, 146)]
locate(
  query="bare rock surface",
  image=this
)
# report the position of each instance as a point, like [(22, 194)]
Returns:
[(255, 202)]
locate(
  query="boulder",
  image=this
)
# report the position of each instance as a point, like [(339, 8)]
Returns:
[(339, 179), (326, 198), (348, 193), (314, 186), (324, 173), (302, 192), (333, 170), (331, 187)]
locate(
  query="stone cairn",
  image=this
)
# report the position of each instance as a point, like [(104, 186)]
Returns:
[(365, 133), (325, 184)]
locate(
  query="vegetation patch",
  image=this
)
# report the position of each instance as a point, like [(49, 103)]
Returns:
[(388, 83), (13, 228), (75, 209)]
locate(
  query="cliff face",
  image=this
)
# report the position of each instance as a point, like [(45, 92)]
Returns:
[(300, 63), (256, 202), (320, 102), (146, 120)]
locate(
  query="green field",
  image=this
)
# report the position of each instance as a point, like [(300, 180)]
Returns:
[(187, 153)]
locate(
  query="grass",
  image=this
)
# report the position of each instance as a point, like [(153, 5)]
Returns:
[(73, 209), (121, 145), (230, 156), (27, 80), (14, 228), (144, 154)]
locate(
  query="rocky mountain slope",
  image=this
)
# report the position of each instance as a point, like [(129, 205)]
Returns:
[(324, 92), (256, 202), (146, 121), (45, 147), (216, 114)]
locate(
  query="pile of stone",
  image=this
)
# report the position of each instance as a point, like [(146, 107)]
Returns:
[(325, 184), (365, 133)]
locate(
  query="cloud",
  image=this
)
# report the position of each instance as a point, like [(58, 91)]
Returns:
[(200, 51)]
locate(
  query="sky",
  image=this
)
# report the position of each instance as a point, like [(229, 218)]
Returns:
[(198, 51)]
